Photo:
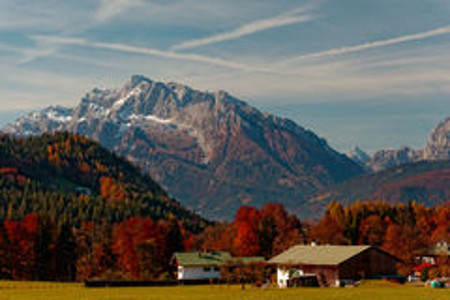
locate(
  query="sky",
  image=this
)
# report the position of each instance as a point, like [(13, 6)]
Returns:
[(370, 73)]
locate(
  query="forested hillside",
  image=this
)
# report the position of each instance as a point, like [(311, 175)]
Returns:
[(69, 178), (71, 210), (426, 182)]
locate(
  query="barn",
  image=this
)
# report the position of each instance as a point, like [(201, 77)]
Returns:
[(332, 265)]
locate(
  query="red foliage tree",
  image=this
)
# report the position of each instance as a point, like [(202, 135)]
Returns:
[(246, 242), (372, 230), (328, 231)]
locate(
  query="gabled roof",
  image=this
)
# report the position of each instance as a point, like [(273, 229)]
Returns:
[(317, 255), (440, 248), (247, 259), (201, 258)]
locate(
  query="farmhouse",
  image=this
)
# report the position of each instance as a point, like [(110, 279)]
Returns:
[(431, 254), (331, 265), (204, 265)]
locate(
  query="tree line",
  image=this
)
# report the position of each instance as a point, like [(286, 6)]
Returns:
[(37, 247)]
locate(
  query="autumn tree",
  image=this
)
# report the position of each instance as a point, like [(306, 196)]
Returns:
[(403, 241), (328, 231), (372, 230), (246, 242)]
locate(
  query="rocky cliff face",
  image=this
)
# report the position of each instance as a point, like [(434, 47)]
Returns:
[(211, 151), (385, 159), (438, 146)]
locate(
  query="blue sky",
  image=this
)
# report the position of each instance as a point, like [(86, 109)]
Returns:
[(373, 73)]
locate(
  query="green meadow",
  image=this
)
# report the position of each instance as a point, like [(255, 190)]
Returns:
[(368, 290)]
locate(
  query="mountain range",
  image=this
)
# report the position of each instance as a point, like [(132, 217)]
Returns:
[(211, 151), (425, 181), (437, 148), (215, 153)]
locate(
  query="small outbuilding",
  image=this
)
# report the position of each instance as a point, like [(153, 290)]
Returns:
[(332, 265)]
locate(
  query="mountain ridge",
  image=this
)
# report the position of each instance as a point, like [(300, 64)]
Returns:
[(437, 148), (211, 151), (423, 181)]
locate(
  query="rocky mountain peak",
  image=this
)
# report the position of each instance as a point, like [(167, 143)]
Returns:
[(358, 155), (438, 146), (138, 79), (212, 151), (384, 159)]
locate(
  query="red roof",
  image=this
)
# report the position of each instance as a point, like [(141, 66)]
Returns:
[(423, 266)]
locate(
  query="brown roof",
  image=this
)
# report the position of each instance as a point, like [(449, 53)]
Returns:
[(201, 258), (198, 259), (317, 255)]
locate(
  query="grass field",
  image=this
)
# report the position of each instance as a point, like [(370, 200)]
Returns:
[(369, 290)]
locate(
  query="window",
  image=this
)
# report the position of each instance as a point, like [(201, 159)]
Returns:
[(216, 269), (207, 269)]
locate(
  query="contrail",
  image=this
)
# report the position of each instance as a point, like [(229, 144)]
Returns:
[(370, 45)]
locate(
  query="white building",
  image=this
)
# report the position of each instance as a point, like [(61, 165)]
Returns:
[(431, 254), (199, 265), (203, 265)]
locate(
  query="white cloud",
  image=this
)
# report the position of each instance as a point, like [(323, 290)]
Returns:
[(292, 17), (29, 54), (147, 51), (108, 9), (25, 89), (43, 15), (398, 74)]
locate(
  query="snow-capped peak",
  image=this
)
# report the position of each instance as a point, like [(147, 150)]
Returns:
[(58, 114), (358, 155), (137, 89)]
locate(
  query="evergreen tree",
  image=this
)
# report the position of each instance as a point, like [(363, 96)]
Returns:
[(174, 239), (44, 270), (66, 257)]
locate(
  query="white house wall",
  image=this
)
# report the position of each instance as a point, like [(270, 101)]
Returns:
[(186, 273), (283, 275)]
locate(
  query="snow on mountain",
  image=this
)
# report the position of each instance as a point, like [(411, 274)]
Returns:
[(358, 155), (384, 159), (53, 118)]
